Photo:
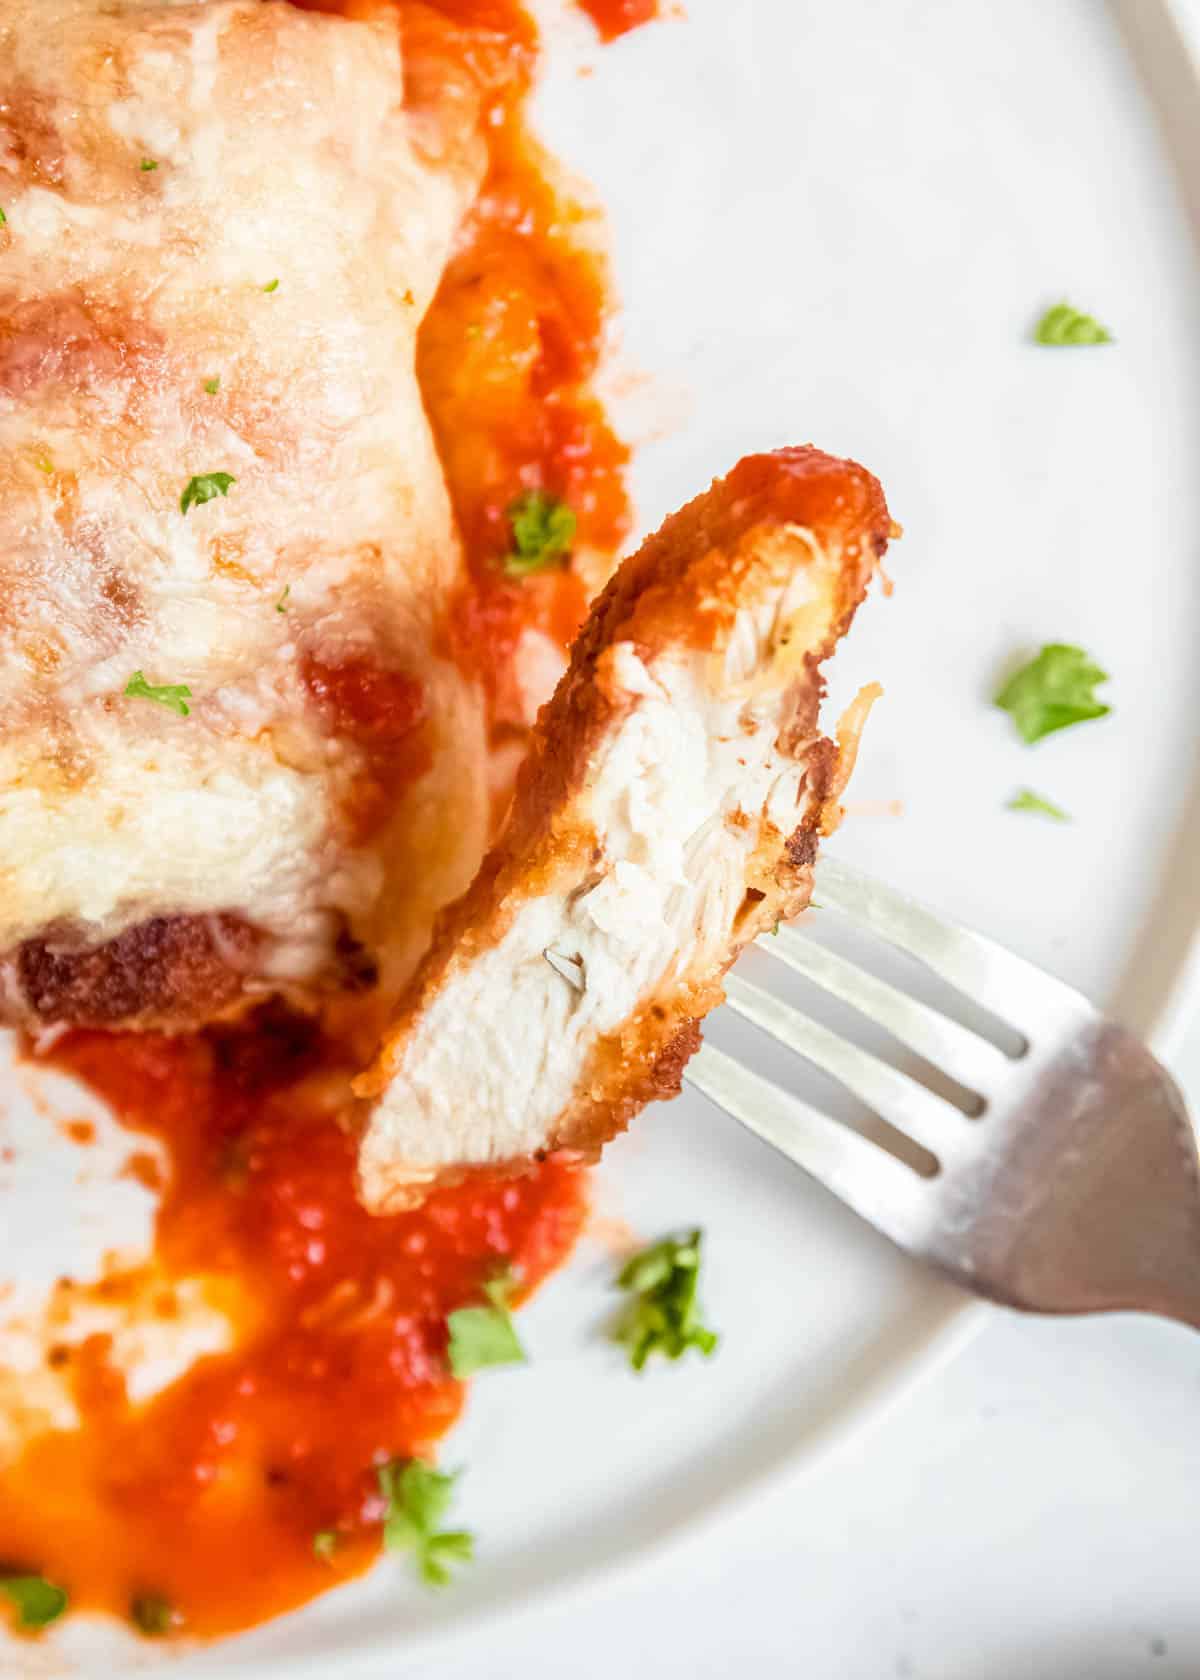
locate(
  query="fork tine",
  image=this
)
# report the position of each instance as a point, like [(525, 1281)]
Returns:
[(1009, 986), (971, 1060), (934, 1123), (869, 1180)]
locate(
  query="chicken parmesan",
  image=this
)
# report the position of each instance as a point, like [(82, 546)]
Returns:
[(236, 752), (667, 812)]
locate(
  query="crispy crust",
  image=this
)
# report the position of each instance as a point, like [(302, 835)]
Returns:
[(171, 970), (682, 589), (166, 974)]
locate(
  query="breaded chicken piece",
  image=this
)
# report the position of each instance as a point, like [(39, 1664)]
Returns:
[(669, 811)]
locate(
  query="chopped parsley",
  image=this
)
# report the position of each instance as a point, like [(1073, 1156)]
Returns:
[(1064, 327), (1053, 691), (663, 1316), (483, 1336), (39, 1602), (174, 695), (1027, 800), (543, 530), (154, 1615), (271, 286), (418, 1497), (325, 1543), (147, 165), (44, 464), (204, 487), (281, 604), (212, 386), (3, 218)]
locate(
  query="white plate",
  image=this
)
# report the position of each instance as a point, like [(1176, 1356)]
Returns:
[(839, 222)]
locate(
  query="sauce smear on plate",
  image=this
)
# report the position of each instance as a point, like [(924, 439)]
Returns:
[(211, 1493)]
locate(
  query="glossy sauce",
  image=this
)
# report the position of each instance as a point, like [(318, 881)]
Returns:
[(505, 359), (211, 1493), (618, 17)]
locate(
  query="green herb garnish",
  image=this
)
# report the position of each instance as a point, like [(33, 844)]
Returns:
[(483, 1336), (39, 1602), (174, 695), (147, 165), (1064, 327), (418, 1497), (281, 604), (205, 487), (663, 1317), (1053, 691), (3, 218), (1027, 800), (543, 530), (154, 1615), (325, 1543), (271, 286), (212, 386)]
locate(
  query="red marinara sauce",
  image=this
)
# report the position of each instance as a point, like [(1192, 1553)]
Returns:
[(209, 1494), (507, 354), (618, 17)]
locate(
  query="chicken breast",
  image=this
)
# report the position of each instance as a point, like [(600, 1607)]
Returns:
[(668, 812), (232, 758)]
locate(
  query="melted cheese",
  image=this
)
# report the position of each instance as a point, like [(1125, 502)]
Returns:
[(282, 153)]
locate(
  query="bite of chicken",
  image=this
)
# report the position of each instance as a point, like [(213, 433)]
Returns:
[(669, 811)]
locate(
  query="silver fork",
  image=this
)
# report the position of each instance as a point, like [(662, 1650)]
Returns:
[(1076, 1188)]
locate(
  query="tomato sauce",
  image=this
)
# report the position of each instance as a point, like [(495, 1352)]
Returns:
[(618, 17), (210, 1493), (383, 713), (506, 359)]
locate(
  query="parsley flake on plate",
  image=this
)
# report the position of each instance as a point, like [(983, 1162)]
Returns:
[(543, 530), (3, 218), (153, 1614), (147, 165), (1065, 327), (418, 1497), (39, 1602), (663, 1316), (212, 386), (174, 695), (1053, 691), (271, 286), (1026, 800), (205, 487), (483, 1336), (281, 604)]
